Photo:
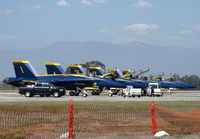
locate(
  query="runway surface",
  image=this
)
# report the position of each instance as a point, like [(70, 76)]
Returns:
[(10, 97)]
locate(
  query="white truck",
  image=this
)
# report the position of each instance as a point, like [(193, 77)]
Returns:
[(132, 92), (154, 90)]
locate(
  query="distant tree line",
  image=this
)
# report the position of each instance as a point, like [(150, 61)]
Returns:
[(93, 64), (191, 79), (6, 87)]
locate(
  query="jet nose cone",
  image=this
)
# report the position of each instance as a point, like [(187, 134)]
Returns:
[(186, 85), (192, 86)]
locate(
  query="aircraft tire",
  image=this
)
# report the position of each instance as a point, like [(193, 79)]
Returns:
[(93, 93), (110, 95), (84, 95)]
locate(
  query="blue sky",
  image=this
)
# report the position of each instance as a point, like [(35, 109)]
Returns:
[(28, 24)]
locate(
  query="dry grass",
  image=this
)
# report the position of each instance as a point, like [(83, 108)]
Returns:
[(97, 120)]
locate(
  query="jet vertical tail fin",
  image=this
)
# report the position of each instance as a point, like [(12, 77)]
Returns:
[(127, 74), (76, 69), (54, 68), (23, 69), (96, 71), (140, 73)]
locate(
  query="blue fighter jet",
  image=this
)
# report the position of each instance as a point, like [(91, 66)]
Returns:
[(109, 84), (139, 83), (98, 72), (163, 82), (26, 74)]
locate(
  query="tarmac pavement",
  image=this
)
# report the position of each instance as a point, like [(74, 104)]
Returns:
[(10, 97)]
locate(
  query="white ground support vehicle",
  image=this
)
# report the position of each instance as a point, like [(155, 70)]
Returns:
[(132, 92), (154, 90)]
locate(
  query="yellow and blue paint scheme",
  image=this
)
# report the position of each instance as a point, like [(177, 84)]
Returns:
[(25, 73)]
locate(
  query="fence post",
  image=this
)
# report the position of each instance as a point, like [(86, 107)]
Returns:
[(153, 118), (70, 133)]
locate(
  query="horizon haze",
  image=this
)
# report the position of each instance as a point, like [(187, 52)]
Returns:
[(134, 55), (133, 34)]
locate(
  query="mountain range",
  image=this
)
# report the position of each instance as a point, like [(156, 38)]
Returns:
[(135, 55)]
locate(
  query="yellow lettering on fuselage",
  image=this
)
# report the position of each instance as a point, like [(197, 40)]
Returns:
[(94, 72), (21, 69), (77, 71)]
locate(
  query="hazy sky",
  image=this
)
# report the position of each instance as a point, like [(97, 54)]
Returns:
[(38, 23)]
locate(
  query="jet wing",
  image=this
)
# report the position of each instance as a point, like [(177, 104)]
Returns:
[(185, 85)]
